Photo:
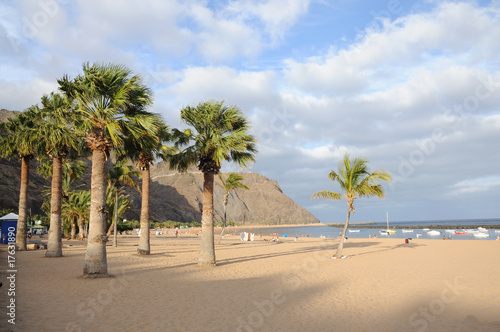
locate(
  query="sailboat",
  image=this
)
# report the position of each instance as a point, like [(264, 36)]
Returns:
[(388, 231)]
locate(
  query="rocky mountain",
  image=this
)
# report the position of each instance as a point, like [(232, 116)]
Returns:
[(179, 196), (175, 196)]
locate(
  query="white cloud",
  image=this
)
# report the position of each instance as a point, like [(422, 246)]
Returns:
[(277, 16), (382, 96), (236, 87), (473, 186)]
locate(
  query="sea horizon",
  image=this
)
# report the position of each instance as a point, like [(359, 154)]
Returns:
[(328, 231)]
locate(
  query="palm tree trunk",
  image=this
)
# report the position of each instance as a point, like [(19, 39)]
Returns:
[(73, 229), (225, 223), (54, 244), (338, 254), (144, 244), (207, 252), (81, 229), (115, 242), (113, 223), (23, 204), (95, 258)]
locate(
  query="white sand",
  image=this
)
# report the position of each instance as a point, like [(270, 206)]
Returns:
[(385, 285)]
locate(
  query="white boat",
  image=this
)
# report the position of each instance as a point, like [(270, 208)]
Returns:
[(449, 230), (389, 231), (407, 230), (353, 230), (433, 233), (497, 231), (426, 229), (482, 229), (481, 235), (383, 233)]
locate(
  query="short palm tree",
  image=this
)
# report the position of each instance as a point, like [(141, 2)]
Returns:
[(109, 101), (120, 206), (355, 181), (78, 204), (232, 182), (118, 176), (220, 134), (19, 139)]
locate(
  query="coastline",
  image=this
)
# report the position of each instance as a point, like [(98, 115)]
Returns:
[(273, 226), (374, 226)]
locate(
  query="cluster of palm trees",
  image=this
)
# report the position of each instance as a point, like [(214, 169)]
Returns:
[(104, 110)]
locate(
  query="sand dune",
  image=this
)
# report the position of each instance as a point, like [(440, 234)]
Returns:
[(384, 285)]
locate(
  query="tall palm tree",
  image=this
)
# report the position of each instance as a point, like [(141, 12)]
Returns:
[(220, 133), (144, 151), (57, 139), (355, 181), (109, 100), (18, 139), (71, 171), (232, 182), (120, 174)]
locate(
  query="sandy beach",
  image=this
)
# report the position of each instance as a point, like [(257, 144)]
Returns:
[(384, 285)]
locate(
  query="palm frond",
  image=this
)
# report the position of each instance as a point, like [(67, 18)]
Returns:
[(327, 195)]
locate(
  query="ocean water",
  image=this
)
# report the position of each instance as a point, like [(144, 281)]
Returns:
[(333, 232)]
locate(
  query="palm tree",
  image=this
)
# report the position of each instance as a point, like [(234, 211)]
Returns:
[(232, 182), (356, 181), (80, 202), (57, 139), (144, 151), (109, 100), (220, 133), (71, 171), (120, 206), (18, 139), (120, 174)]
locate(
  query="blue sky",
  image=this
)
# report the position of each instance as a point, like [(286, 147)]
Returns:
[(414, 86)]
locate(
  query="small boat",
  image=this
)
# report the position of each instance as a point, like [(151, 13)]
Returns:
[(461, 232), (481, 235), (389, 231), (426, 229), (407, 230), (449, 230), (433, 233), (482, 229), (353, 230), (497, 231), (383, 233)]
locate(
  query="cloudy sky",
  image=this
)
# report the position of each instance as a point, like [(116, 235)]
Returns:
[(413, 86)]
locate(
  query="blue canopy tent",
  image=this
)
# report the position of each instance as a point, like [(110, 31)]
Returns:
[(8, 221)]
